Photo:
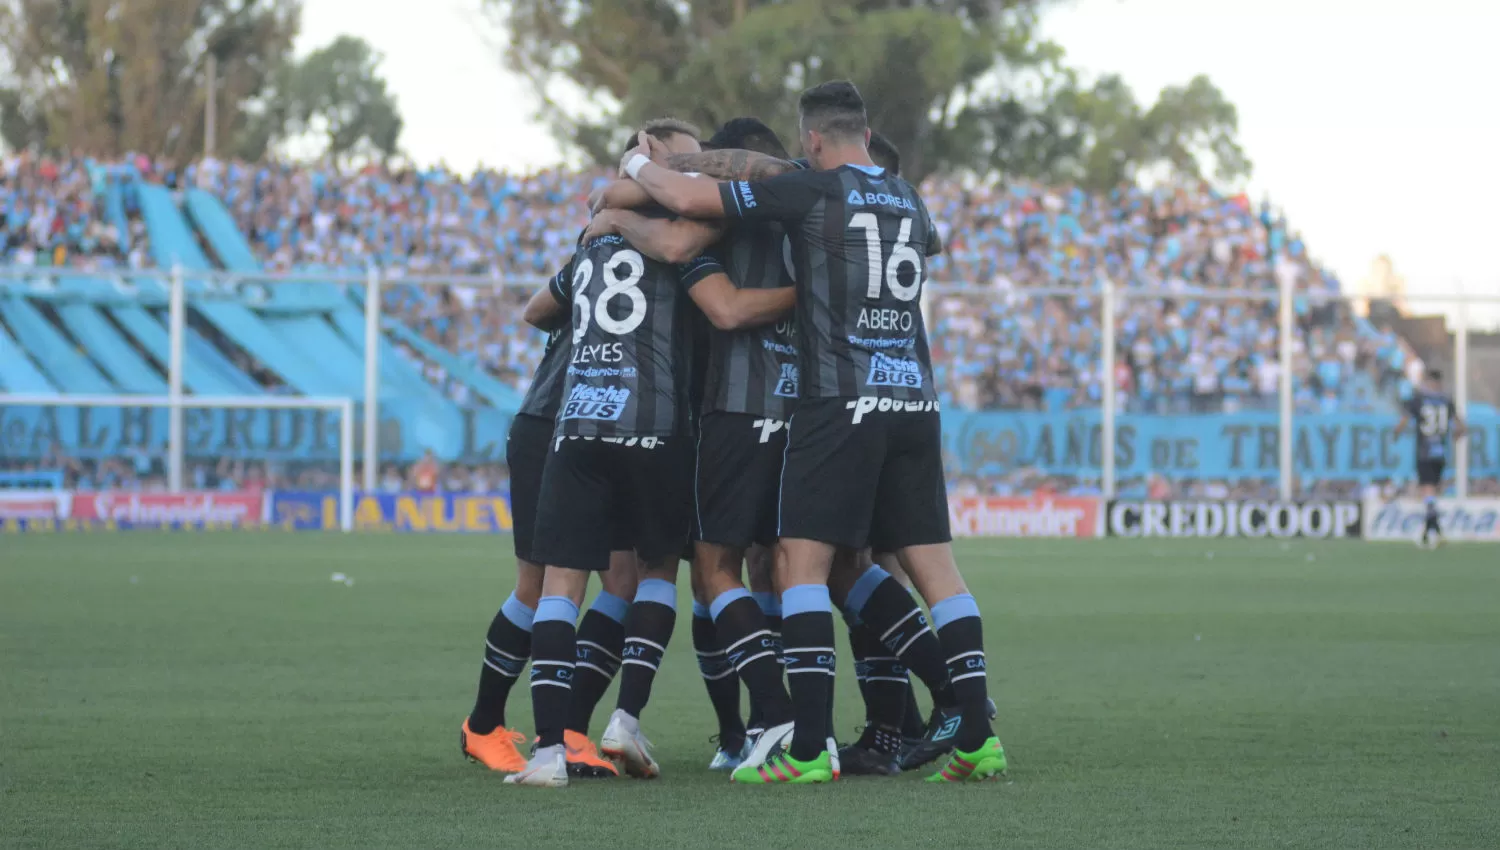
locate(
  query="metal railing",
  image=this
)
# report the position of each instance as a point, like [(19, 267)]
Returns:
[(226, 286)]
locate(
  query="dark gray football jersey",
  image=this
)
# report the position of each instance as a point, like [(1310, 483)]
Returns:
[(544, 395), (1434, 413), (859, 242), (630, 360), (754, 371)]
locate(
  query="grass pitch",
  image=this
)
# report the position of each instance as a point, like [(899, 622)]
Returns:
[(218, 690)]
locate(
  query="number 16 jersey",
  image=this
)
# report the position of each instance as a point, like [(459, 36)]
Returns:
[(859, 240), (631, 355)]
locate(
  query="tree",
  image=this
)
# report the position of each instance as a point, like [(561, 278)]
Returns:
[(336, 91), (1099, 136), (942, 78), (108, 76)]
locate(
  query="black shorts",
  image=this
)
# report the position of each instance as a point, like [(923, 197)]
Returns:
[(526, 450), (857, 473), (644, 483), (1430, 471), (738, 479)]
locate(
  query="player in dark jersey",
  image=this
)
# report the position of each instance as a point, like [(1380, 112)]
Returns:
[(908, 641), (484, 736), (865, 444), (618, 446), (750, 381), (1437, 419)]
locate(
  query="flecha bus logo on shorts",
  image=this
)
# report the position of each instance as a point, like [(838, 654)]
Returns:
[(887, 371), (602, 403), (866, 404)]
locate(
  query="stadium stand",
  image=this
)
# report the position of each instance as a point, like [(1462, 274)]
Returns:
[(452, 345)]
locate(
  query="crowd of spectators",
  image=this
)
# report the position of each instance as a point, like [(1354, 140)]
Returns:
[(52, 214), (1015, 324)]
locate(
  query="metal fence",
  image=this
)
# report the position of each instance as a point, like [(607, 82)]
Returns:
[(1107, 425)]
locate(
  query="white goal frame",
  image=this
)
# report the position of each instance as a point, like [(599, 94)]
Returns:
[(176, 404)]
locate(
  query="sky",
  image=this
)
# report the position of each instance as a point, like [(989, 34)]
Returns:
[(1370, 122)]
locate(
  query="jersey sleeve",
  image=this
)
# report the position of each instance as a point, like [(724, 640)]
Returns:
[(694, 271), (934, 244), (786, 197), (1412, 407), (561, 284)]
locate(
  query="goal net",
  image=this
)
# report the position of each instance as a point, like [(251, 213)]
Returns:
[(124, 461)]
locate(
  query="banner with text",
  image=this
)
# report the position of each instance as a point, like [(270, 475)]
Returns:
[(481, 513), (110, 510), (1205, 446), (1025, 516), (1317, 519), (28, 432), (1235, 446), (1460, 519)]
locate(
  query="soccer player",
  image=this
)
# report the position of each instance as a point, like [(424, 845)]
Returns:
[(864, 448), (484, 736), (750, 383), (908, 642), (620, 444), (1436, 419)]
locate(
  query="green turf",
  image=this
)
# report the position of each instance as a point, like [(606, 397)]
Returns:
[(219, 690)]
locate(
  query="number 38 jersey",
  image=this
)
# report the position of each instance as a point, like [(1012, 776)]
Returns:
[(631, 355), (859, 241)]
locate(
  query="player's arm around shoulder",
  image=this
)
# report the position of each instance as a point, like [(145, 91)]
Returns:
[(668, 240), (731, 164), (785, 197), (730, 308), (547, 309)]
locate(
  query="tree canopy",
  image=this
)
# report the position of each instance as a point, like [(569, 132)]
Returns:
[(110, 76), (956, 84), (337, 93)]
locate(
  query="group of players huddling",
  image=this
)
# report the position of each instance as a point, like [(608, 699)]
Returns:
[(738, 372)]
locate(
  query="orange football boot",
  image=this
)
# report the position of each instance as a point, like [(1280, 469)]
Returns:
[(584, 759), (496, 751)]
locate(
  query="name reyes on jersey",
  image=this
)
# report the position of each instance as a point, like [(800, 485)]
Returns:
[(604, 352), (887, 371), (603, 403)]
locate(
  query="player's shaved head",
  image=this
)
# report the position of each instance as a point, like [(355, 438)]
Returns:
[(884, 154), (835, 111), (747, 133)]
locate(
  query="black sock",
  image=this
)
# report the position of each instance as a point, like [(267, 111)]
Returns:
[(552, 662), (900, 626), (882, 679), (1431, 526), (962, 635), (601, 639), (912, 725), (749, 646), (770, 609), (807, 627), (719, 678), (506, 648), (648, 628)]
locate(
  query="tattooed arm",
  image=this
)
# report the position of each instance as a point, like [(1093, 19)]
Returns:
[(626, 194), (730, 164)]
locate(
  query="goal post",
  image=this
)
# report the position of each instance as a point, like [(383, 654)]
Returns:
[(343, 406)]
